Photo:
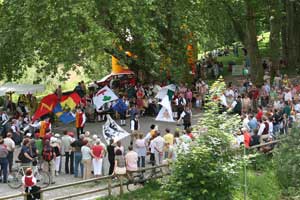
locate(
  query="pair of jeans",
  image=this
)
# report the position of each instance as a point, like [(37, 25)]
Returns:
[(4, 166), (77, 163), (69, 159), (111, 166), (10, 158), (141, 161)]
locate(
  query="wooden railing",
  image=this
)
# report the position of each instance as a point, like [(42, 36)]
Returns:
[(109, 186)]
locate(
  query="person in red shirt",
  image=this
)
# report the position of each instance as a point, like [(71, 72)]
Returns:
[(247, 137), (97, 153), (80, 121), (259, 113), (29, 184)]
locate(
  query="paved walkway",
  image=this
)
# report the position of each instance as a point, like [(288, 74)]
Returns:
[(94, 128)]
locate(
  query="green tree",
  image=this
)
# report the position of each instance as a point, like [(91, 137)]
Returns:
[(209, 170)]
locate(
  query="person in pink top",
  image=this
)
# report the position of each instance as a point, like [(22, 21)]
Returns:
[(131, 159), (189, 96)]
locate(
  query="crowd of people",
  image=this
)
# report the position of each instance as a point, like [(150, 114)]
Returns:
[(266, 112)]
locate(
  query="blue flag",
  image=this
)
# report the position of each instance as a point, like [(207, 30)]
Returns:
[(64, 117)]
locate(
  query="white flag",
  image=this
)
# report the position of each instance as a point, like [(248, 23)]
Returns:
[(165, 113), (111, 130), (103, 96)]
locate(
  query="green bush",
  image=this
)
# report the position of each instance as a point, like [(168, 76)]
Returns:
[(210, 169), (287, 161)]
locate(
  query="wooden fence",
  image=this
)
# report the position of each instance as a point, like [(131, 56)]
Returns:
[(109, 186)]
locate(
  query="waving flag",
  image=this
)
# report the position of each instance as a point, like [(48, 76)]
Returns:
[(120, 106), (103, 96), (70, 100), (111, 130), (46, 105), (165, 113), (65, 117)]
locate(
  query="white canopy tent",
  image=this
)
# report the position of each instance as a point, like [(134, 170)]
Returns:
[(20, 88)]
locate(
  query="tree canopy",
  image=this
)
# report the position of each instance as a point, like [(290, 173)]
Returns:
[(67, 34)]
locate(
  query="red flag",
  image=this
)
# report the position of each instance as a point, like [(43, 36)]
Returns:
[(70, 100), (46, 105)]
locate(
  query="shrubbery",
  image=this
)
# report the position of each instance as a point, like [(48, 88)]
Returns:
[(210, 169), (287, 163)]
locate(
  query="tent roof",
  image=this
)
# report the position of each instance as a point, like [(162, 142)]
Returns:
[(124, 72), (20, 88)]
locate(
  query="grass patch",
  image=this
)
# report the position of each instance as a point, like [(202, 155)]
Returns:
[(149, 192)]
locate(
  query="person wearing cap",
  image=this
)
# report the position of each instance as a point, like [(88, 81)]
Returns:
[(80, 121), (29, 183), (3, 159), (10, 145), (56, 148), (87, 137), (66, 149)]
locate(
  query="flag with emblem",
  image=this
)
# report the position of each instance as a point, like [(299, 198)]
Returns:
[(165, 114), (46, 105), (103, 96)]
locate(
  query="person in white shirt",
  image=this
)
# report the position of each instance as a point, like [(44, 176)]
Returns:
[(159, 144), (10, 146), (287, 95)]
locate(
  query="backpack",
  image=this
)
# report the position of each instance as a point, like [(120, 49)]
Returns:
[(21, 156), (47, 153)]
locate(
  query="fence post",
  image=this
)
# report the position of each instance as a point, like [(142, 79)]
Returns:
[(121, 185), (109, 187), (41, 195), (25, 196)]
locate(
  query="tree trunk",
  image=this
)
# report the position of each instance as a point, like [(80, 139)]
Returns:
[(275, 20), (284, 36), (291, 33), (255, 61)]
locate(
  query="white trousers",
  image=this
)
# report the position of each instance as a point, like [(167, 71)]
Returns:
[(57, 163), (97, 165)]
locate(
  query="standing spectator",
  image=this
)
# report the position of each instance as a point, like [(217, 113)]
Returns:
[(77, 144), (86, 159), (169, 140), (3, 160), (29, 184), (49, 160), (56, 148), (131, 159), (247, 137), (141, 149), (120, 163), (10, 145), (180, 103), (80, 121), (120, 147), (69, 154), (111, 156), (134, 126), (158, 144), (25, 155), (186, 116), (97, 153)]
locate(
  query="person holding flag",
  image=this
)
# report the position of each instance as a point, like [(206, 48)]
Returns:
[(44, 126), (121, 108), (80, 121)]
